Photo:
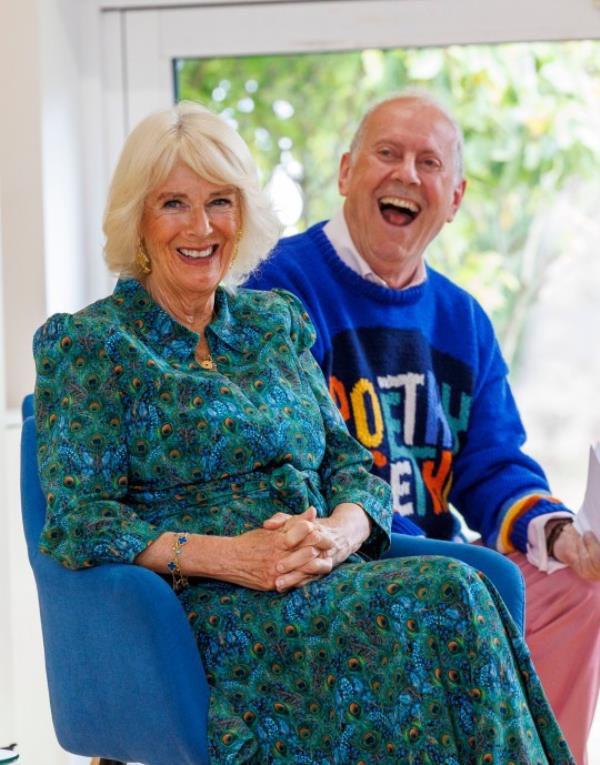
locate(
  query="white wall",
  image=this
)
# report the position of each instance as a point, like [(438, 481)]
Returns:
[(21, 174), (6, 622), (23, 285), (51, 96)]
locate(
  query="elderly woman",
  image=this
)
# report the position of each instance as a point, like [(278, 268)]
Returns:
[(183, 426)]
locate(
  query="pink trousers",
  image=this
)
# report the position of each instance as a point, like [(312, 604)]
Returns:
[(562, 630)]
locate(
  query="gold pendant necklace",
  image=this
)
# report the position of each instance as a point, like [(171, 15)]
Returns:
[(204, 356), (208, 363)]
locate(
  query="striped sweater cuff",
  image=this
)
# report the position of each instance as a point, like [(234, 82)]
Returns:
[(518, 535), (513, 530)]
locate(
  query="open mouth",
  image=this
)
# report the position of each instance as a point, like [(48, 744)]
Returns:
[(193, 254), (398, 211)]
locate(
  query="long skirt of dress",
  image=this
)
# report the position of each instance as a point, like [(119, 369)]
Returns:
[(411, 660)]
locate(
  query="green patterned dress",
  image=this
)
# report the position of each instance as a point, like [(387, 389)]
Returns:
[(395, 661)]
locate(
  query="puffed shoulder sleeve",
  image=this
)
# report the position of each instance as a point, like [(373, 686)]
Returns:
[(345, 467), (82, 453), (302, 332)]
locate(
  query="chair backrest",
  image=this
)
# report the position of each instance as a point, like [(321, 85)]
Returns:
[(27, 407), (33, 503)]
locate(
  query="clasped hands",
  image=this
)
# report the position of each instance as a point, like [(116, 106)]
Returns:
[(292, 550)]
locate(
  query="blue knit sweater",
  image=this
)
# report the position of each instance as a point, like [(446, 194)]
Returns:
[(419, 378)]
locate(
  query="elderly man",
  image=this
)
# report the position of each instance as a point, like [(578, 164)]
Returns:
[(416, 371)]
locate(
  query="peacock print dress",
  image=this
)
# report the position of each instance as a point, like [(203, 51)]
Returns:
[(395, 661)]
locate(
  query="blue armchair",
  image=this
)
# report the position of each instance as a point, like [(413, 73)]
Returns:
[(124, 674)]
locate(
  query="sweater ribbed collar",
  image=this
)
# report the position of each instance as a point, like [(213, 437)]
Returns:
[(355, 283)]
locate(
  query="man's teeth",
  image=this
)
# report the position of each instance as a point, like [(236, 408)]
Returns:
[(404, 204), (206, 253)]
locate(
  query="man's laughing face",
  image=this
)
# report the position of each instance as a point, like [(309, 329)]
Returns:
[(401, 184)]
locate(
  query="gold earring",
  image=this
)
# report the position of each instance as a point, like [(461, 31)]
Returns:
[(236, 246), (142, 259)]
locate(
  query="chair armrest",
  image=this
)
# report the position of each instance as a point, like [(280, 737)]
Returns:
[(502, 572), (120, 629)]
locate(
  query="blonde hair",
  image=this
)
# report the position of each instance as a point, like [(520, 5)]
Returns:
[(191, 134)]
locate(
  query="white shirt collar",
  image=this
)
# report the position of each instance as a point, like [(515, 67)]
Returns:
[(336, 230)]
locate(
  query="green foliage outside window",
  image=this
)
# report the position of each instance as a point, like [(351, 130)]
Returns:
[(531, 118)]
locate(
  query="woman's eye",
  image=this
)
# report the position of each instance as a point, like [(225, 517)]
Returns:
[(173, 204), (221, 202)]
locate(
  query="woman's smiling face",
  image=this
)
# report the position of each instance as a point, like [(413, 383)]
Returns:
[(189, 229)]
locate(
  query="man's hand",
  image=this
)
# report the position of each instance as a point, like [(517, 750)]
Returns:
[(581, 553)]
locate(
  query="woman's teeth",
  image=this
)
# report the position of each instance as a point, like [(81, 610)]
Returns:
[(206, 253)]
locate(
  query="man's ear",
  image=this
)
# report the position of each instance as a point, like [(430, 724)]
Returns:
[(344, 173), (457, 197)]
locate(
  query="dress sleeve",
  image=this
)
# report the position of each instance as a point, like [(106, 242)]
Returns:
[(82, 451), (345, 467)]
